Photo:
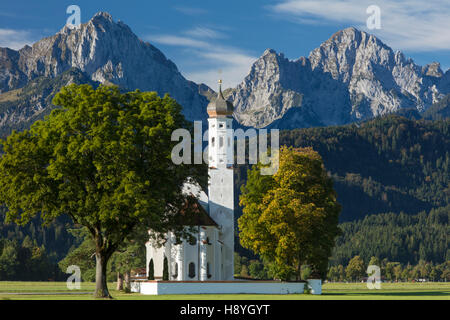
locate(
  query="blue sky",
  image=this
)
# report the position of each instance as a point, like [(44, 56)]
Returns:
[(210, 39)]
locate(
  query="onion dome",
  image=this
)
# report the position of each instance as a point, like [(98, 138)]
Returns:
[(220, 106)]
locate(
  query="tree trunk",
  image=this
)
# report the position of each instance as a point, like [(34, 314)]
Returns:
[(299, 271), (119, 282), (127, 281), (101, 286)]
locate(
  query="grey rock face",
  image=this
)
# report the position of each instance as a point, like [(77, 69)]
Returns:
[(108, 52), (352, 76)]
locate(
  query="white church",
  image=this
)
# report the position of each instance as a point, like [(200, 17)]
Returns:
[(206, 265), (210, 256)]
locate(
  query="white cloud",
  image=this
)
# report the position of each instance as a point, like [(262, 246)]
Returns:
[(203, 32), (405, 24), (208, 58), (172, 40), (15, 39), (191, 11)]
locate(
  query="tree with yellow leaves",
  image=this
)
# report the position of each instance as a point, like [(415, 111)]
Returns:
[(291, 218)]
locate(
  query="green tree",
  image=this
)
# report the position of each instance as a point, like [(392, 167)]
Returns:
[(104, 159), (165, 269), (257, 270), (237, 263), (433, 274), (341, 272), (333, 274), (290, 219), (389, 270), (398, 272), (8, 260), (82, 256), (374, 261), (244, 271), (355, 268), (306, 272), (130, 255), (445, 271), (151, 270), (406, 273)]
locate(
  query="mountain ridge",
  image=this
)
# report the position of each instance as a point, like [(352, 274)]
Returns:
[(351, 77), (107, 52)]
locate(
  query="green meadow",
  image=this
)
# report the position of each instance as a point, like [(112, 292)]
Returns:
[(14, 290)]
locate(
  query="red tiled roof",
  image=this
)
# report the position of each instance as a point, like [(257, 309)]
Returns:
[(193, 214)]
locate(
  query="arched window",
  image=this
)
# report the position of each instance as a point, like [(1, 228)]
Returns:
[(175, 275), (220, 142), (207, 270), (213, 139), (191, 273), (151, 270)]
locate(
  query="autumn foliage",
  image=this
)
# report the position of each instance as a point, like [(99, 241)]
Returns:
[(291, 218)]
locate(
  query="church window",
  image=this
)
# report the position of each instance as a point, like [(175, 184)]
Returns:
[(221, 142), (229, 141), (221, 125), (193, 241), (191, 273), (207, 270), (212, 141), (175, 275)]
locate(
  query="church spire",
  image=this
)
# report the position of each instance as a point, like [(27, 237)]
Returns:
[(220, 106), (220, 95)]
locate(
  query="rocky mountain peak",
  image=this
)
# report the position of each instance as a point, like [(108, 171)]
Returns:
[(351, 76), (433, 70), (107, 52), (101, 15), (269, 52)]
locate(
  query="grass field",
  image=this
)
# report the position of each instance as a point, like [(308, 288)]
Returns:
[(331, 291)]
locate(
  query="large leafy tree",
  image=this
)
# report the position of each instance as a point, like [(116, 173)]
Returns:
[(104, 159), (355, 268), (129, 255), (291, 218)]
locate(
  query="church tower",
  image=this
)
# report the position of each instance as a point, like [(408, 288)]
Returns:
[(221, 184)]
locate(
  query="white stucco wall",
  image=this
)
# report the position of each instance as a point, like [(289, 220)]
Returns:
[(183, 254), (315, 285), (234, 287)]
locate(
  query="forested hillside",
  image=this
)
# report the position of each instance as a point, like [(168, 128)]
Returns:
[(439, 110), (392, 166), (389, 164), (15, 110), (397, 237), (31, 252)]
